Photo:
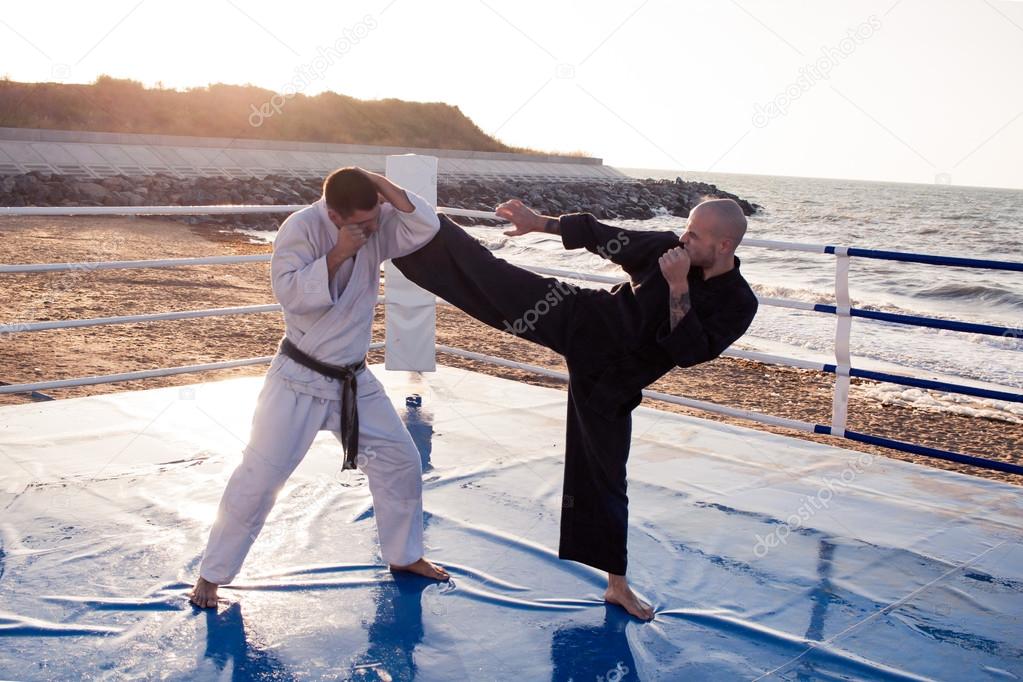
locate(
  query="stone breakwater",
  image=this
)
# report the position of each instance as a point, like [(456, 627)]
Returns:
[(628, 199)]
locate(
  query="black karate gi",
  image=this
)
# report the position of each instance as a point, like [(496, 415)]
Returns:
[(615, 344)]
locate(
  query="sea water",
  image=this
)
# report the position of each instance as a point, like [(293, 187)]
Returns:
[(936, 219), (932, 219)]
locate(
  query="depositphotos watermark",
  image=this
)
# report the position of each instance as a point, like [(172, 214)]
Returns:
[(325, 58), (818, 70), (615, 674), (811, 505), (561, 290), (557, 293), (613, 246), (607, 251), (65, 284), (350, 478)]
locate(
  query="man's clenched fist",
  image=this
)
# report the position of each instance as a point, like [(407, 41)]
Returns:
[(675, 268)]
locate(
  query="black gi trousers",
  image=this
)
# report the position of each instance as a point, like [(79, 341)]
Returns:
[(456, 267)]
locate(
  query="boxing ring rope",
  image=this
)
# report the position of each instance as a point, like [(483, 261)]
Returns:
[(842, 310), (147, 210), (750, 415), (146, 374), (132, 319), (654, 395), (842, 368), (132, 264)]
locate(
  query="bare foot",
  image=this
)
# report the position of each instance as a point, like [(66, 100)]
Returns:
[(204, 594), (619, 592), (424, 568)]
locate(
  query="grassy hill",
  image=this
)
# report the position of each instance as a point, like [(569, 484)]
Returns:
[(239, 111)]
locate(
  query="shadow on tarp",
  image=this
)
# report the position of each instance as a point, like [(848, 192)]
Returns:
[(105, 504), (228, 646)]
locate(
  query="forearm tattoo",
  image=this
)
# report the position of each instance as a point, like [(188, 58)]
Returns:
[(678, 305), (552, 226)]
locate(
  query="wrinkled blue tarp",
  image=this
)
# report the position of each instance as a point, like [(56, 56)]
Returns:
[(764, 556)]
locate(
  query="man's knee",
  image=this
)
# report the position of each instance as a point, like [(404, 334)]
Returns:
[(249, 508), (260, 464), (394, 459)]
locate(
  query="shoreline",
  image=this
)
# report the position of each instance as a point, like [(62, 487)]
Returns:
[(606, 198), (36, 356)]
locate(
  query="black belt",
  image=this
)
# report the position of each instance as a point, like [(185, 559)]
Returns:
[(349, 397)]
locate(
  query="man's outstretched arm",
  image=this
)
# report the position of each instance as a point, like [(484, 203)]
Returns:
[(635, 251), (526, 220)]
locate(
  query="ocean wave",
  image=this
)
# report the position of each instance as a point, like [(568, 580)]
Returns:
[(827, 297), (960, 291), (973, 215), (936, 401), (794, 293), (493, 240), (545, 252)]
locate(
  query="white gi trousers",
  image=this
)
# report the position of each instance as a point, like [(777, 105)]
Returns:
[(283, 427)]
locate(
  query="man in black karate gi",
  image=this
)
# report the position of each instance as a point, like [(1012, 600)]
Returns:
[(684, 304)]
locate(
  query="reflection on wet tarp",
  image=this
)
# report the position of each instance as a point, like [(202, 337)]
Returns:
[(763, 556), (231, 648), (594, 652)]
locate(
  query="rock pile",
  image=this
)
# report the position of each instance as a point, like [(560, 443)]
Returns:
[(630, 199)]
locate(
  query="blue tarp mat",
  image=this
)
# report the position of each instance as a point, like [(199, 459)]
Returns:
[(765, 557)]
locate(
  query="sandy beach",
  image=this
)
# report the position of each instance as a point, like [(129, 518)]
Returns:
[(85, 293)]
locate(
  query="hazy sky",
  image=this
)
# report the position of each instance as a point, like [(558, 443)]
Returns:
[(907, 90)]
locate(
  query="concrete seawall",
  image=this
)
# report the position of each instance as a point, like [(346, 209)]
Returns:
[(98, 155)]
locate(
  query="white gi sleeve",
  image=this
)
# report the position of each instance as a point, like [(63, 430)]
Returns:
[(297, 275), (403, 233)]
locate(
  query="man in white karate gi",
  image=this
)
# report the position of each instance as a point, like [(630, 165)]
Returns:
[(325, 272)]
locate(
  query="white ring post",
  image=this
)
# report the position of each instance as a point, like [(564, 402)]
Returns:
[(843, 327), (411, 312)]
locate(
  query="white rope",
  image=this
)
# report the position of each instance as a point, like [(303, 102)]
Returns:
[(754, 356), (574, 274), (235, 260), (469, 213), (131, 319), (146, 210), (291, 208), (144, 374), (134, 264), (769, 359), (731, 411), (131, 376), (606, 279), (511, 364), (17, 327), (225, 260), (763, 300), (653, 395), (759, 243), (785, 246), (786, 303)]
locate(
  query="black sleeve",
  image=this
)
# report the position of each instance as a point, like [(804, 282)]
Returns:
[(699, 338), (633, 250)]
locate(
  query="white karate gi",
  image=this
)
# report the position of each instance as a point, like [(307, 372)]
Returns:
[(334, 325)]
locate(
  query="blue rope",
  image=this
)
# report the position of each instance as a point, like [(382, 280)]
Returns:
[(930, 384), (947, 455), (919, 321), (931, 260)]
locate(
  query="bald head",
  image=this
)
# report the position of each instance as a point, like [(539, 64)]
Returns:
[(723, 218)]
